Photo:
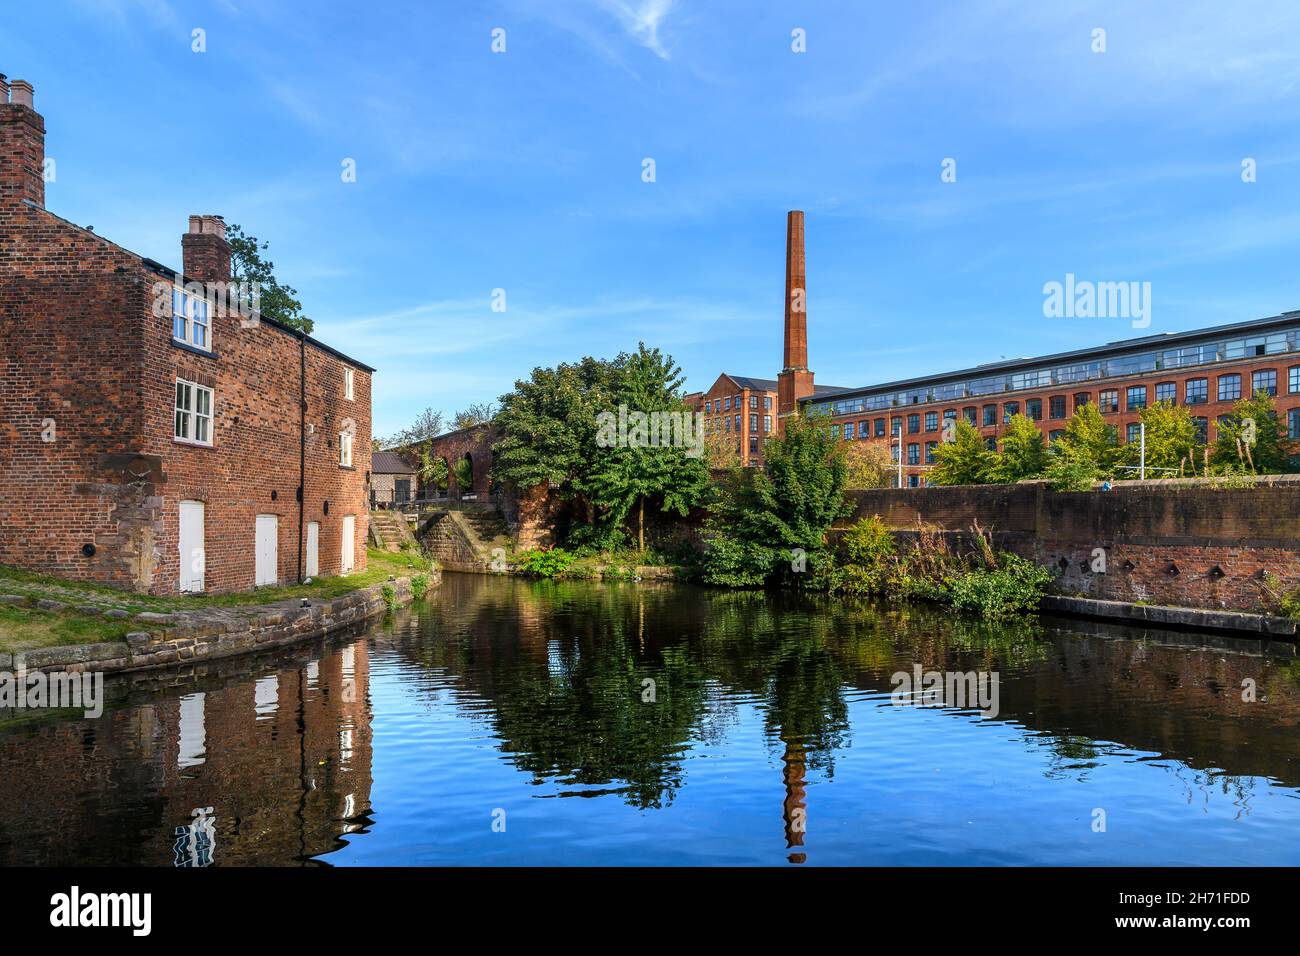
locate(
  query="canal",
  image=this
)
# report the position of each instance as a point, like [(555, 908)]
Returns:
[(505, 721)]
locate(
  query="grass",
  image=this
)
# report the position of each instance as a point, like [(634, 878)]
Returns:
[(26, 628)]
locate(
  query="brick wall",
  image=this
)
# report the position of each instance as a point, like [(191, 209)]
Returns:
[(1179, 542), (476, 442)]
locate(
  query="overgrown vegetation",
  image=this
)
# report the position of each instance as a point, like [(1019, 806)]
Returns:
[(544, 562), (982, 581)]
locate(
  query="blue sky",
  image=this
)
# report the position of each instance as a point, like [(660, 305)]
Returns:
[(522, 170)]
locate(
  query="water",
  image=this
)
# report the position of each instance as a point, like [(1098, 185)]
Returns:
[(503, 722)]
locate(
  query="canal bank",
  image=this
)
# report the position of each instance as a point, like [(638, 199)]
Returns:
[(213, 633)]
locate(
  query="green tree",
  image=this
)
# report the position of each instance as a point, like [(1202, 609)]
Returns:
[(548, 426), (477, 414), (433, 470), (1024, 455), (668, 466), (428, 424), (965, 460), (1090, 438), (464, 474), (1171, 438), (869, 465), (1270, 452), (278, 302), (762, 517)]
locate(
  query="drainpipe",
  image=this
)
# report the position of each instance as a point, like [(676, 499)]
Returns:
[(302, 440)]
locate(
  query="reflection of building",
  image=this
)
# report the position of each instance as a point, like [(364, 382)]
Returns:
[(266, 767)]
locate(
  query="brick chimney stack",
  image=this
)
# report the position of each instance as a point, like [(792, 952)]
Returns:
[(795, 381), (205, 253), (22, 144)]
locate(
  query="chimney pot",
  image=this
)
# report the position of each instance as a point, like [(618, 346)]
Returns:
[(22, 145), (208, 226), (21, 94), (205, 251)]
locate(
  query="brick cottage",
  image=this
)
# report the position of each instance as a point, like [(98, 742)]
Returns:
[(150, 439)]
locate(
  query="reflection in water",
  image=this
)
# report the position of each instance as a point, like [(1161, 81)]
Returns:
[(686, 720)]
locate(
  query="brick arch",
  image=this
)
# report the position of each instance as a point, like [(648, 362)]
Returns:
[(474, 443)]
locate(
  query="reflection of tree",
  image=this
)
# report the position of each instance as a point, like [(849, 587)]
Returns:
[(560, 665), (588, 724)]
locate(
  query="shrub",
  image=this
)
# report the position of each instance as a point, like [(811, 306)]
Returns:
[(617, 572), (869, 557), (1067, 472), (390, 596), (737, 564), (1015, 587), (419, 586), (544, 562)]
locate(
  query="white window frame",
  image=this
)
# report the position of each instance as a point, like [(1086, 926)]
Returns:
[(189, 309), (349, 384), (345, 449), (191, 417)]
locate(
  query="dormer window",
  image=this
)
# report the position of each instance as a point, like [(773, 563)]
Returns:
[(191, 324)]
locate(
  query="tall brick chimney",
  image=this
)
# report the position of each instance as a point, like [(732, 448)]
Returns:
[(795, 381), (205, 253), (22, 144)]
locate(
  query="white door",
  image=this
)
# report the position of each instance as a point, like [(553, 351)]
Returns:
[(313, 549), (268, 549), (191, 546), (349, 539)]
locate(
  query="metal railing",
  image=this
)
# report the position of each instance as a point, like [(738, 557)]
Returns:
[(455, 501)]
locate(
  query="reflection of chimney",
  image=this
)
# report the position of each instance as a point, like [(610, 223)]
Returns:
[(795, 381), (795, 808), (22, 144), (205, 253)]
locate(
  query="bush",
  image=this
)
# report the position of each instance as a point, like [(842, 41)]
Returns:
[(544, 562), (1071, 473), (390, 596), (419, 586), (869, 557), (1015, 587), (617, 572), (737, 564)]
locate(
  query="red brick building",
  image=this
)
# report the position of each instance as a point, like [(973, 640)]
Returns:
[(150, 439), (1207, 370), (742, 410)]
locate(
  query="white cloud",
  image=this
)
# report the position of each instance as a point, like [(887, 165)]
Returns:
[(641, 20)]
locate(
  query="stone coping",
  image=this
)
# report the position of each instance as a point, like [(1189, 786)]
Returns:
[(1163, 615), (217, 632)]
